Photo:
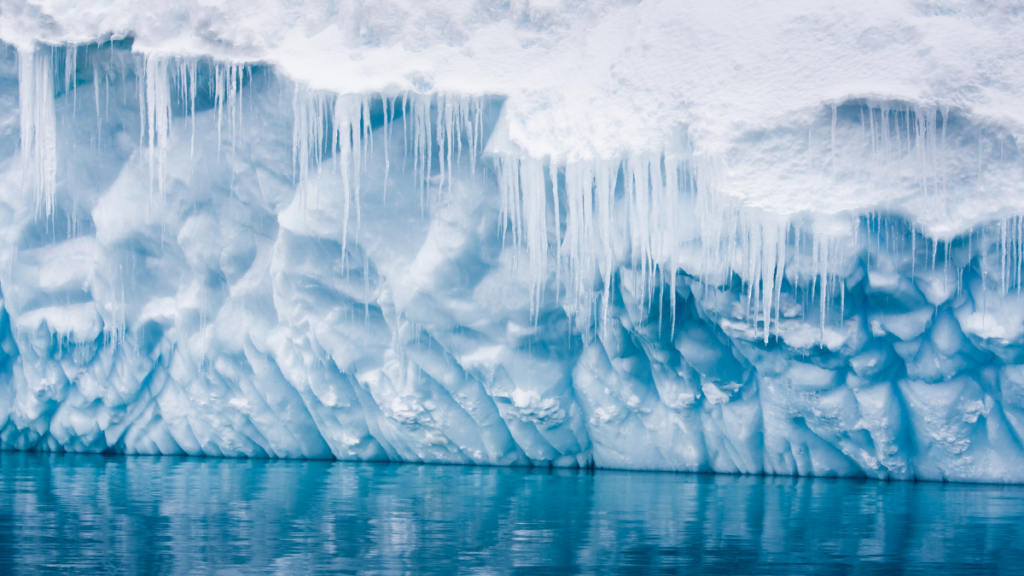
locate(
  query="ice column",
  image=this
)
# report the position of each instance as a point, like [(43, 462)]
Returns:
[(351, 123), (38, 126), (156, 100)]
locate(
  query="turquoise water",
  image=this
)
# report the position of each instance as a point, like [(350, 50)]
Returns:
[(161, 515)]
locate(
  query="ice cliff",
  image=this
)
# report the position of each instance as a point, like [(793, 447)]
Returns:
[(780, 238)]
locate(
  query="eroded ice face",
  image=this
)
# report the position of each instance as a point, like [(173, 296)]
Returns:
[(759, 271)]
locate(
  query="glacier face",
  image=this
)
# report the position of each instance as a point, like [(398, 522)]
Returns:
[(207, 256)]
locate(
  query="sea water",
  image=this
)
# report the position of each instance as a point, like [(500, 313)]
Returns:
[(90, 514)]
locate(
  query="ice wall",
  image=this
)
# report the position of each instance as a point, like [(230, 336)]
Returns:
[(205, 256)]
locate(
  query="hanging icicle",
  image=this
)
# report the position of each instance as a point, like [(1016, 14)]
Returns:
[(156, 98), (38, 126)]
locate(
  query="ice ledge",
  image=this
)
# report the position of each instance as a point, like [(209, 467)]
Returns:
[(595, 79), (218, 271)]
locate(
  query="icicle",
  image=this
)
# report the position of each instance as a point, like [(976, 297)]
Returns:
[(38, 127), (308, 137), (421, 131), (193, 78), (231, 92), (674, 159), (841, 284), (476, 142), (553, 175), (638, 183), (405, 127), (772, 272), (605, 175), (218, 100), (523, 179), (366, 130), (1002, 249), (387, 144), (944, 111), (580, 248), (886, 134), (367, 135), (241, 68), (457, 116), (824, 272), (946, 256), (751, 244), (507, 170), (71, 75), (157, 100), (770, 242), (1020, 253), (983, 257), (816, 265), (347, 143), (96, 97), (871, 131), (445, 138)]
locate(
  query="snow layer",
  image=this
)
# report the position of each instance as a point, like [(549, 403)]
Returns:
[(782, 239), (609, 78)]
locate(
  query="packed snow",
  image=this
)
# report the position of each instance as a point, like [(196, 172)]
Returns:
[(781, 238)]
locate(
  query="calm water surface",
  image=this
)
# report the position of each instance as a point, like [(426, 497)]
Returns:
[(143, 515)]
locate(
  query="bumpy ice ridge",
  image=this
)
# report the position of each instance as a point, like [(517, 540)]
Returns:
[(210, 258)]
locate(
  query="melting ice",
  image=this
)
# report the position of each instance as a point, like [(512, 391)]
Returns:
[(208, 256)]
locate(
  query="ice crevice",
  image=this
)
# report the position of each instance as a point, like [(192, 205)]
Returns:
[(207, 257)]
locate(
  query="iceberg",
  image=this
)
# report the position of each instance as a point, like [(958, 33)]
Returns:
[(741, 238)]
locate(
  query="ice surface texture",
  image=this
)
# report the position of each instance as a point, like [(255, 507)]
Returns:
[(208, 248)]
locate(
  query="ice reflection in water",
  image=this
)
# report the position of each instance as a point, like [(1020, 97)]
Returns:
[(142, 515)]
